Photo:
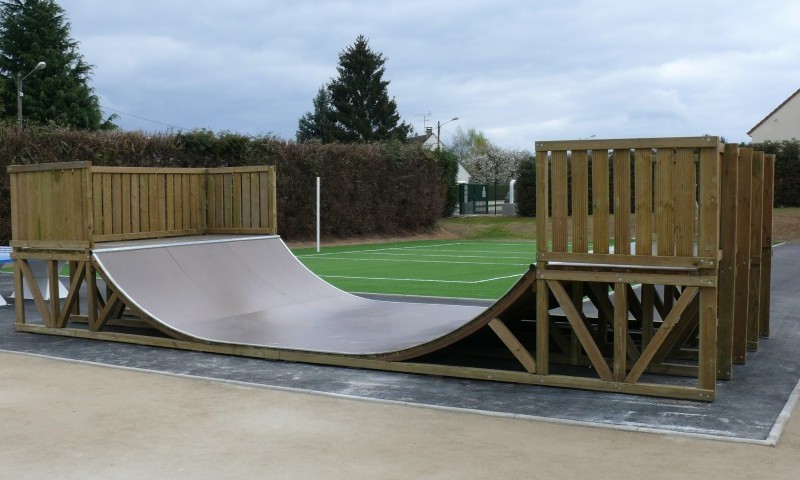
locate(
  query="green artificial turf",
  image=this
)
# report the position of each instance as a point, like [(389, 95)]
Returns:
[(460, 268)]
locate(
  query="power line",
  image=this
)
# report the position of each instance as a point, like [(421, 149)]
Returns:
[(142, 118)]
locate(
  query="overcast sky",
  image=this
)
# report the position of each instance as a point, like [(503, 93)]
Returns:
[(519, 71)]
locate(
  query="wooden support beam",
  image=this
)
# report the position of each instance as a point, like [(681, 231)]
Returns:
[(542, 328), (38, 298), (620, 331), (72, 296), (596, 357), (513, 344), (649, 352)]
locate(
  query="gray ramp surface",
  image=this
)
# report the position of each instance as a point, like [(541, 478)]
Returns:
[(253, 291)]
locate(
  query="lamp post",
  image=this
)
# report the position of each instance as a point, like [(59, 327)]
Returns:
[(439, 131), (20, 79)]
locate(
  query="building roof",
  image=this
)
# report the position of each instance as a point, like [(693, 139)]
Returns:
[(420, 138), (773, 112)]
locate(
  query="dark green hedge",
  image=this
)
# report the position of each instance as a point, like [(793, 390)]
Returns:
[(369, 189), (787, 170)]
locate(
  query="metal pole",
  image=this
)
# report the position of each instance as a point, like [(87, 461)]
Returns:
[(19, 100), (318, 215), (438, 134)]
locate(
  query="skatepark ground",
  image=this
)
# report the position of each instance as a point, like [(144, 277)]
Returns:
[(64, 419)]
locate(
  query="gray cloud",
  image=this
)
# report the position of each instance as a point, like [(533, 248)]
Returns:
[(520, 71)]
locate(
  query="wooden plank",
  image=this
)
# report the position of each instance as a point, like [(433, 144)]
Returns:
[(245, 201), (707, 363), (232, 170), (560, 201), (197, 217), (727, 264), (73, 294), (542, 201), (178, 202), (648, 353), (542, 328), (200, 201), (273, 206), (709, 208), (562, 381), (153, 204), (127, 196), (146, 170), (744, 168), (186, 189), (685, 201), (622, 201), (219, 202), (19, 291), (236, 201), (665, 202), (580, 201), (116, 203), (766, 245), (648, 313), (135, 205), (108, 209), (266, 199), (600, 201), (756, 221), (628, 143), (53, 285), (166, 233), (514, 345), (588, 343), (38, 298), (40, 167), (643, 169), (161, 201), (211, 201), (79, 245), (15, 205), (144, 203), (676, 263), (255, 199), (624, 277), (169, 179), (620, 327)]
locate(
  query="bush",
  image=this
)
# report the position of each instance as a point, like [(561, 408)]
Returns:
[(787, 170), (525, 188), (367, 189)]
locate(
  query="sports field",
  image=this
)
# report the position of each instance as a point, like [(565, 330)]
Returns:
[(459, 268)]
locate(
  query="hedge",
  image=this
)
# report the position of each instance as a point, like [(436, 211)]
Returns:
[(367, 189)]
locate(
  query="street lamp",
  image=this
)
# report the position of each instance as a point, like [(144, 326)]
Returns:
[(439, 131), (20, 79)]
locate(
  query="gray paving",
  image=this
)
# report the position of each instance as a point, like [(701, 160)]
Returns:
[(747, 408)]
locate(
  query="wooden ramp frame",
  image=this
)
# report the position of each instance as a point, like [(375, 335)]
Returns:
[(60, 211), (645, 231)]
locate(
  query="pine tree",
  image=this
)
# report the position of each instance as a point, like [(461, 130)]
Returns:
[(37, 30), (319, 124), (361, 108)]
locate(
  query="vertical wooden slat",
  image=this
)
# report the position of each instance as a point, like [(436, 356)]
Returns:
[(600, 201), (31, 205), (236, 200), (161, 199), (620, 326), (665, 205), (255, 200), (707, 356), (560, 201), (708, 245), (170, 193), (135, 204), (685, 204), (219, 201), (126, 202), (622, 201), (766, 244), (727, 264), (144, 203), (744, 170), (116, 202), (211, 197), (542, 326), (194, 202), (17, 205), (179, 206), (19, 305), (152, 207), (87, 202), (644, 201), (756, 220), (265, 199), (542, 203), (108, 207), (580, 201), (200, 201), (187, 200), (245, 200)]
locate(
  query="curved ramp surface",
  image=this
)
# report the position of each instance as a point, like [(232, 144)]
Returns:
[(253, 291)]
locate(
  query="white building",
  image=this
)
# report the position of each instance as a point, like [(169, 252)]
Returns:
[(783, 123)]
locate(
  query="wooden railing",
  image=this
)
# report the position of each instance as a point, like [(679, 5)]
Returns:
[(73, 205)]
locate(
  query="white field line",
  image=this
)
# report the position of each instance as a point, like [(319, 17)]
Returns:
[(464, 282), (376, 250), (422, 261)]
